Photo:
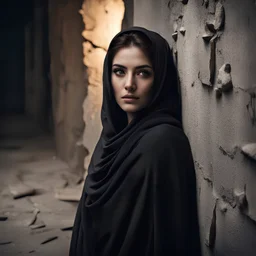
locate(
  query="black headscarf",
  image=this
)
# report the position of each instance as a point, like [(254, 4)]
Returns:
[(140, 193), (166, 91)]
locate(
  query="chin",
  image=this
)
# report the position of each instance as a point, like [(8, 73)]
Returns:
[(130, 109)]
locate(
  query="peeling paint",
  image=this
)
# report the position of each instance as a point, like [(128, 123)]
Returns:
[(184, 1), (208, 180), (211, 7), (182, 31), (212, 62), (204, 81), (250, 150), (210, 27), (200, 168), (227, 196), (218, 92), (243, 205), (211, 235), (241, 200), (216, 126), (207, 37), (175, 26), (224, 78), (231, 154), (205, 3), (251, 107), (223, 206), (219, 17), (175, 36)]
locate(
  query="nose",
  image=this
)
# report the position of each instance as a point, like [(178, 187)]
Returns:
[(130, 84)]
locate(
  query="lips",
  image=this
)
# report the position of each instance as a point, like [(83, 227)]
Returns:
[(129, 97)]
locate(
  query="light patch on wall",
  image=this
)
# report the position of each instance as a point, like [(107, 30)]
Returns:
[(103, 20)]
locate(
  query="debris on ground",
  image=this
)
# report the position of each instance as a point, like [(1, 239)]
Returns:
[(3, 218), (33, 219), (20, 190), (67, 228), (4, 243), (38, 226), (49, 239), (69, 194)]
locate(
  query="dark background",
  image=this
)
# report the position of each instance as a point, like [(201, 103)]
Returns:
[(14, 15)]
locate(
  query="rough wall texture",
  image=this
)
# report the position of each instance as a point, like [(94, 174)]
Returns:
[(102, 20), (68, 79), (214, 45)]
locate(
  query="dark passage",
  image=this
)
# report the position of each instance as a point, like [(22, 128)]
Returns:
[(12, 87)]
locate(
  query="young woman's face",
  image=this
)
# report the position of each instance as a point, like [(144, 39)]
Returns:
[(132, 78)]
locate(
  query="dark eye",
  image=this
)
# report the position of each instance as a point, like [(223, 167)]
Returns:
[(144, 73), (118, 71)]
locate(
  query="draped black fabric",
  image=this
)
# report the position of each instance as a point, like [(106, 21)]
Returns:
[(139, 197)]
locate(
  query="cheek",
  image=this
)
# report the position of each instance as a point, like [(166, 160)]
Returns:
[(115, 85), (148, 89)]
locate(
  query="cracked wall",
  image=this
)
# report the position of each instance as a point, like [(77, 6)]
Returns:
[(213, 42), (102, 20)]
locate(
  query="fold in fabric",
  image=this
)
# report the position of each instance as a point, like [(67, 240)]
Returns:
[(139, 196)]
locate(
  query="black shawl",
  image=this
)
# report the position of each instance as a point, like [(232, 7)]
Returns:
[(139, 197)]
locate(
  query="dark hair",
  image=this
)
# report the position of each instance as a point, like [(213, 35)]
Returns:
[(135, 38)]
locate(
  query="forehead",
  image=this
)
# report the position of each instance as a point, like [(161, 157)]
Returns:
[(131, 56)]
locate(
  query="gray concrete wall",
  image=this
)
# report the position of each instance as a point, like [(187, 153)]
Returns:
[(217, 126)]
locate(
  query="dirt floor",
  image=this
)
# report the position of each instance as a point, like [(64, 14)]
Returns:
[(27, 160)]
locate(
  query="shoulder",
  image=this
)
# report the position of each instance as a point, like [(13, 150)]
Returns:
[(163, 132), (164, 137)]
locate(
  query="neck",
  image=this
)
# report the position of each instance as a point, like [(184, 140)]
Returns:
[(129, 117)]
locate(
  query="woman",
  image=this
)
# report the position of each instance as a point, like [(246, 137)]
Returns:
[(139, 196)]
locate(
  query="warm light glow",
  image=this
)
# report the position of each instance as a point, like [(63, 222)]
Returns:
[(103, 20)]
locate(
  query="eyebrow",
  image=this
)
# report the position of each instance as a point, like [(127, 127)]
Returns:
[(141, 66)]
